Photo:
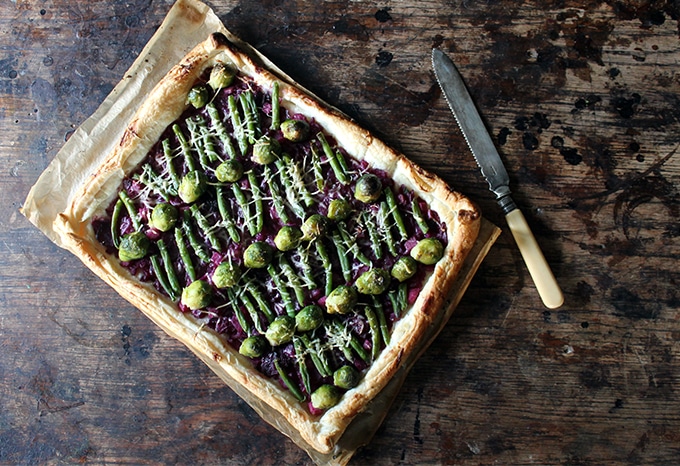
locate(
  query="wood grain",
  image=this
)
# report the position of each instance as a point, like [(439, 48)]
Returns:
[(582, 99)]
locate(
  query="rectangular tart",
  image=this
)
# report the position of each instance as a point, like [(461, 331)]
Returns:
[(297, 255)]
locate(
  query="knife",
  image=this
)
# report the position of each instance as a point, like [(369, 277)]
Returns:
[(490, 163)]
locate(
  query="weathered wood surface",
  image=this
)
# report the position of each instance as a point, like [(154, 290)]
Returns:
[(584, 100)]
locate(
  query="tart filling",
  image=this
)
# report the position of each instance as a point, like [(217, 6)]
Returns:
[(253, 219)]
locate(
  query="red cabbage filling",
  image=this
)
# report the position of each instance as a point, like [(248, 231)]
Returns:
[(295, 182)]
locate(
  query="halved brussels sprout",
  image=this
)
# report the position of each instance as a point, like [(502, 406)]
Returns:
[(197, 295)]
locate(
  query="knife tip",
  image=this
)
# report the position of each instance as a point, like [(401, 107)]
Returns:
[(436, 56)]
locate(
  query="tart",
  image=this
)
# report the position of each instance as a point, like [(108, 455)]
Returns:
[(297, 255)]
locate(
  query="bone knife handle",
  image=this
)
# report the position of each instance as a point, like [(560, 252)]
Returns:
[(540, 272)]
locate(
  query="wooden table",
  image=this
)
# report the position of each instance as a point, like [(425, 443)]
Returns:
[(584, 103)]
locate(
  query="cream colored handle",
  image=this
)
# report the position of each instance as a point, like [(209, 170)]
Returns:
[(547, 286)]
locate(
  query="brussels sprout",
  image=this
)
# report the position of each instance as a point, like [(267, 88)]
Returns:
[(265, 150), (309, 318), (229, 171), (226, 275), (281, 330), (258, 255), (164, 216), (314, 227), (339, 209), (221, 76), (341, 300), (428, 251), (197, 295), (368, 188), (346, 377), (288, 238), (191, 187), (198, 96), (374, 281), (295, 130), (133, 246), (254, 347), (326, 396), (404, 268)]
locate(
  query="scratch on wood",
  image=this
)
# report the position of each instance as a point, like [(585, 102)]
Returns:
[(416, 423), (56, 409)]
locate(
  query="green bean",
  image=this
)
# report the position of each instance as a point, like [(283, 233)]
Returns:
[(242, 321), (359, 349), (206, 139), (221, 130), (402, 297), (162, 279), (195, 141), (420, 219), (306, 268), (115, 220), (285, 296), (250, 115), (380, 313), (316, 167), (300, 357), (277, 198), (352, 245), (239, 132), (354, 344), (257, 198), (243, 204), (392, 295), (318, 356), (276, 107), (327, 265), (345, 348), (298, 181), (399, 299), (169, 269), (293, 279), (184, 254), (172, 171), (194, 241), (203, 224), (341, 161), (254, 316), (384, 222), (396, 215), (374, 236), (345, 266), (255, 115), (289, 383), (375, 332), (226, 216), (290, 190), (333, 160), (131, 209), (185, 147), (261, 302), (150, 179)]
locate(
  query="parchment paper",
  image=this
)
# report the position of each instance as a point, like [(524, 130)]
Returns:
[(188, 23)]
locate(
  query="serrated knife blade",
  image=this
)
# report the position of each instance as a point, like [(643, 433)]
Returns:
[(489, 161)]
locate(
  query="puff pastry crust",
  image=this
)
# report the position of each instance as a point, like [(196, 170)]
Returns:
[(162, 107)]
